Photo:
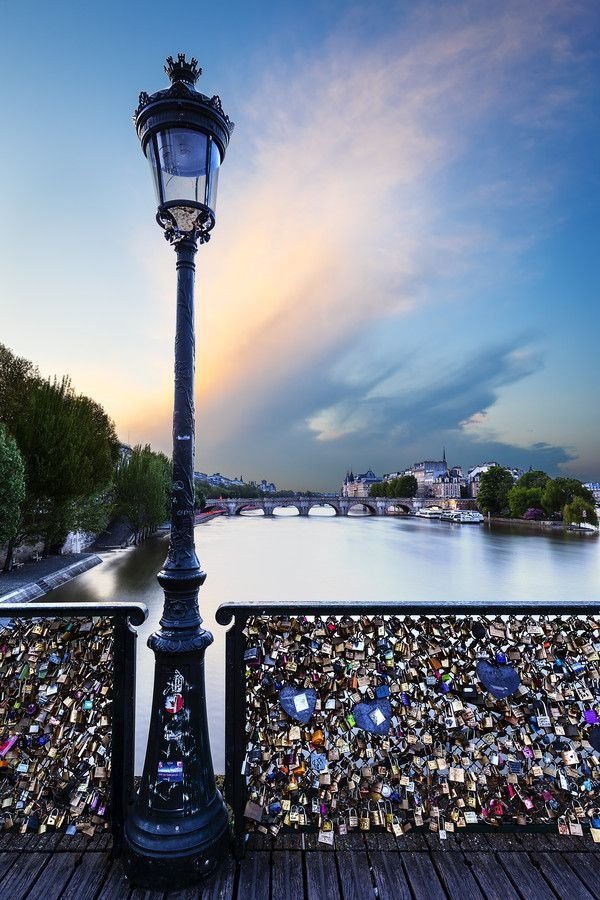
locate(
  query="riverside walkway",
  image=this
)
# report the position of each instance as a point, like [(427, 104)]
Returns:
[(410, 867)]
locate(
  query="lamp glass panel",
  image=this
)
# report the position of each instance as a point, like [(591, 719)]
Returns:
[(182, 158), (213, 178)]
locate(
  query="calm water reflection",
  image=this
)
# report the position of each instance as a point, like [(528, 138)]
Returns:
[(324, 557)]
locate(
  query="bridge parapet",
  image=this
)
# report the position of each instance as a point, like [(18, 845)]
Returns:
[(377, 506)]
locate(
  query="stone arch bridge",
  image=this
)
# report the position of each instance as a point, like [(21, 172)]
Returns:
[(377, 506)]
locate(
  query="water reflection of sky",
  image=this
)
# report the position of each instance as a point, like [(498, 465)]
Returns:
[(288, 558)]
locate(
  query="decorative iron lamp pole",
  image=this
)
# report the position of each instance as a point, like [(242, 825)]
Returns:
[(177, 830)]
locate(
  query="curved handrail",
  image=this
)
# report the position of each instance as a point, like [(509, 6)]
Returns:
[(136, 613)]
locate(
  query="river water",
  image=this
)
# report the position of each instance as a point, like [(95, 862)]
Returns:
[(288, 558)]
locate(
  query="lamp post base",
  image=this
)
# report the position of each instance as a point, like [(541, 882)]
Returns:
[(172, 855)]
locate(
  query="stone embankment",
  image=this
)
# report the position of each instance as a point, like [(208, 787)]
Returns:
[(33, 579)]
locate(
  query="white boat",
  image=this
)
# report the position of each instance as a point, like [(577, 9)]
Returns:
[(462, 516), (469, 517), (429, 512)]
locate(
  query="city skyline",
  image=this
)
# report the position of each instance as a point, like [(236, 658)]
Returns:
[(405, 253)]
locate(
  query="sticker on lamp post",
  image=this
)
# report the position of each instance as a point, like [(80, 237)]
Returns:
[(170, 771)]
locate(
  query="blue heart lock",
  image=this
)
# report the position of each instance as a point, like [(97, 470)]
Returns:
[(298, 703), (374, 716), (500, 680)]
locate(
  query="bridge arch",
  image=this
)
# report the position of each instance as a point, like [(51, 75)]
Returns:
[(324, 503), (406, 509), (250, 506), (363, 501), (285, 505)]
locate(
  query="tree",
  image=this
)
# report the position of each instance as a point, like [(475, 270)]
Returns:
[(494, 487), (142, 485), (12, 489), (522, 498), (579, 510), (17, 376), (403, 486), (534, 479), (199, 497), (69, 447), (561, 491)]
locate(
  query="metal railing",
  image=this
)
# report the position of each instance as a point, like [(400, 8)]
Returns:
[(344, 717), (67, 715)]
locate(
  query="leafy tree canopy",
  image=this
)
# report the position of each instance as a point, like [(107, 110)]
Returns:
[(521, 498), (579, 510), (494, 488), (561, 491), (141, 487), (534, 479), (12, 486)]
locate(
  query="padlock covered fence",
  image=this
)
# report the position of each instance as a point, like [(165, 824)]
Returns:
[(67, 716), (345, 717)]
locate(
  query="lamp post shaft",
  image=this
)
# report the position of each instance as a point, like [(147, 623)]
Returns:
[(177, 831), (181, 550)]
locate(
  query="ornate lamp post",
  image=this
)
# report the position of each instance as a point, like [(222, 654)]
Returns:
[(177, 830)]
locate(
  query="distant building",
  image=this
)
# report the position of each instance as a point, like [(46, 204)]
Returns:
[(474, 475), (266, 487), (359, 485), (427, 472), (594, 487), (447, 487)]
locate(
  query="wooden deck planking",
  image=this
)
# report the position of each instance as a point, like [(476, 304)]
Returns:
[(526, 878), (390, 878), (456, 876), (586, 868), (321, 877), (287, 877), (359, 867), (255, 876), (355, 876), (561, 878), (56, 874), (491, 877), (422, 876), (23, 874)]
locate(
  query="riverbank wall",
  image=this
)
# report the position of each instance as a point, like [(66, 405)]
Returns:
[(533, 525), (36, 579)]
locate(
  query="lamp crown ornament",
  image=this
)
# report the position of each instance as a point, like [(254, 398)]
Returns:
[(182, 70)]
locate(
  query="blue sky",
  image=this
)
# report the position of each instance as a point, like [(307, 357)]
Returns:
[(406, 251)]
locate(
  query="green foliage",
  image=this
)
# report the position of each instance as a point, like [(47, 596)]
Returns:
[(494, 488), (12, 486), (561, 491), (69, 448), (521, 498), (199, 497), (534, 479), (141, 488), (579, 510), (17, 377), (403, 486)]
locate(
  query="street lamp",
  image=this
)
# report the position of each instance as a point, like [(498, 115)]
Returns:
[(177, 830)]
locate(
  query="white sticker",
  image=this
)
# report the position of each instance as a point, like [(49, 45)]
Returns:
[(377, 717), (300, 702)]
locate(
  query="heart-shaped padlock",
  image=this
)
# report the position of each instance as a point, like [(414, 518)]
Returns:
[(298, 703), (373, 717), (500, 680)]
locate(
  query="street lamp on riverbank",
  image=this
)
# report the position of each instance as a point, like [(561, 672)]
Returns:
[(177, 830)]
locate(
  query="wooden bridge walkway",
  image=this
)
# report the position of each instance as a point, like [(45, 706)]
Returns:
[(411, 867)]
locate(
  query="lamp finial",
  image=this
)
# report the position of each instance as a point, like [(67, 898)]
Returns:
[(182, 70)]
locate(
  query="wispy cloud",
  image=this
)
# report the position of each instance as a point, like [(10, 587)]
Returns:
[(334, 215)]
